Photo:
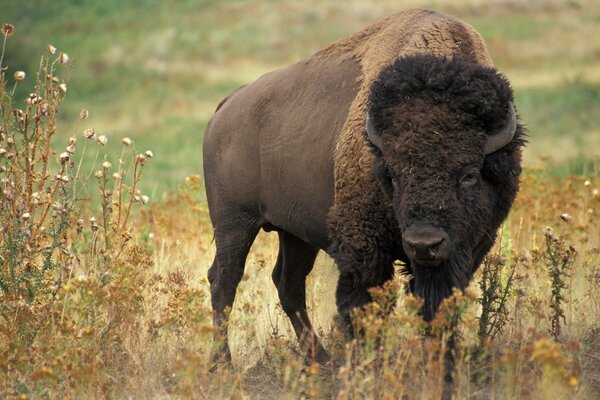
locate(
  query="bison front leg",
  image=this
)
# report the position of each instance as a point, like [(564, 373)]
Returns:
[(359, 272)]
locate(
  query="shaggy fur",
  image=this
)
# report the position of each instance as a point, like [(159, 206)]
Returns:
[(289, 153), (433, 114), (438, 80)]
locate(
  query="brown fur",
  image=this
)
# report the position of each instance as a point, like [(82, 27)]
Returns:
[(288, 153), (404, 33)]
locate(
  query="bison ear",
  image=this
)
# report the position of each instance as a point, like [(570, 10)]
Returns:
[(374, 138)]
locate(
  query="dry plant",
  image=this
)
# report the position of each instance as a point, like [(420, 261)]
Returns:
[(559, 260), (68, 315)]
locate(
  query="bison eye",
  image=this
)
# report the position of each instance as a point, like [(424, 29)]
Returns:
[(469, 179)]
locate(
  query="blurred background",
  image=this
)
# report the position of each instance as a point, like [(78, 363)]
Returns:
[(154, 70)]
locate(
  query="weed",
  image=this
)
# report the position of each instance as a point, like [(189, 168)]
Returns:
[(559, 260)]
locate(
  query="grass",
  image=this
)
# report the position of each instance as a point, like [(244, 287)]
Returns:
[(112, 309), (140, 65)]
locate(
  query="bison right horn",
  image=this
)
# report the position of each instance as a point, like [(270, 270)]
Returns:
[(371, 134), (503, 136)]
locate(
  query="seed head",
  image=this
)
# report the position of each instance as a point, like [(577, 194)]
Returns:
[(83, 114), (89, 133), (51, 49), (548, 232), (99, 174), (587, 183), (145, 199), (63, 88), (7, 30), (63, 58), (126, 141), (102, 139), (19, 75), (93, 224), (64, 157), (116, 176), (106, 165), (26, 216), (33, 98), (73, 140), (565, 217), (44, 107), (149, 153), (140, 158)]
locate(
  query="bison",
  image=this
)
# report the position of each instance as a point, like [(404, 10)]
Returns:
[(400, 142)]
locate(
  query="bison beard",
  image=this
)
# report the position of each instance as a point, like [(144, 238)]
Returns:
[(433, 286)]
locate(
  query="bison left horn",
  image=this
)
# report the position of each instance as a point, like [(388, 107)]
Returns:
[(371, 134), (503, 136)]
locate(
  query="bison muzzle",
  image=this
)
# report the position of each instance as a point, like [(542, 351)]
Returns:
[(400, 142)]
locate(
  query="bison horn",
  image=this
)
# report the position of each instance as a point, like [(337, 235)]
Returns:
[(503, 136), (371, 134)]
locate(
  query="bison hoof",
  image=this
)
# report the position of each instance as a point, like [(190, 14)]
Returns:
[(220, 359), (319, 356)]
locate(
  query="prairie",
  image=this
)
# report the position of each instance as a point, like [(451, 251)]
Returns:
[(103, 289)]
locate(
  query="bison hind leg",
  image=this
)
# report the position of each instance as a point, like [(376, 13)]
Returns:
[(234, 236), (294, 262)]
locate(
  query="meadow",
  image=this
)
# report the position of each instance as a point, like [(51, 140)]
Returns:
[(103, 289)]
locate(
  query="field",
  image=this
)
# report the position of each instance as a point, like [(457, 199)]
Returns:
[(103, 290)]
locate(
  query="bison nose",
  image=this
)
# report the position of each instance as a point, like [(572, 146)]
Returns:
[(426, 245)]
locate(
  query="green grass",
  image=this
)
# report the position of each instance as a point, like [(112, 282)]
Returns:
[(563, 123), (155, 70), (509, 27), (568, 109)]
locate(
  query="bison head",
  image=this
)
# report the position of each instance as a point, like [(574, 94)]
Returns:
[(448, 152)]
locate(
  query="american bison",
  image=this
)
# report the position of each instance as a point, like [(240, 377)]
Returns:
[(399, 142)]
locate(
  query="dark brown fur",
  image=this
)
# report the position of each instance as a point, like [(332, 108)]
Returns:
[(289, 153), (433, 115)]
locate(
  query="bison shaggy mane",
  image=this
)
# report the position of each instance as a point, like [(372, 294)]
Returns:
[(412, 91), (463, 86)]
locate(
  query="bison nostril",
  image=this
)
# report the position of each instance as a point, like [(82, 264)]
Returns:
[(426, 244)]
